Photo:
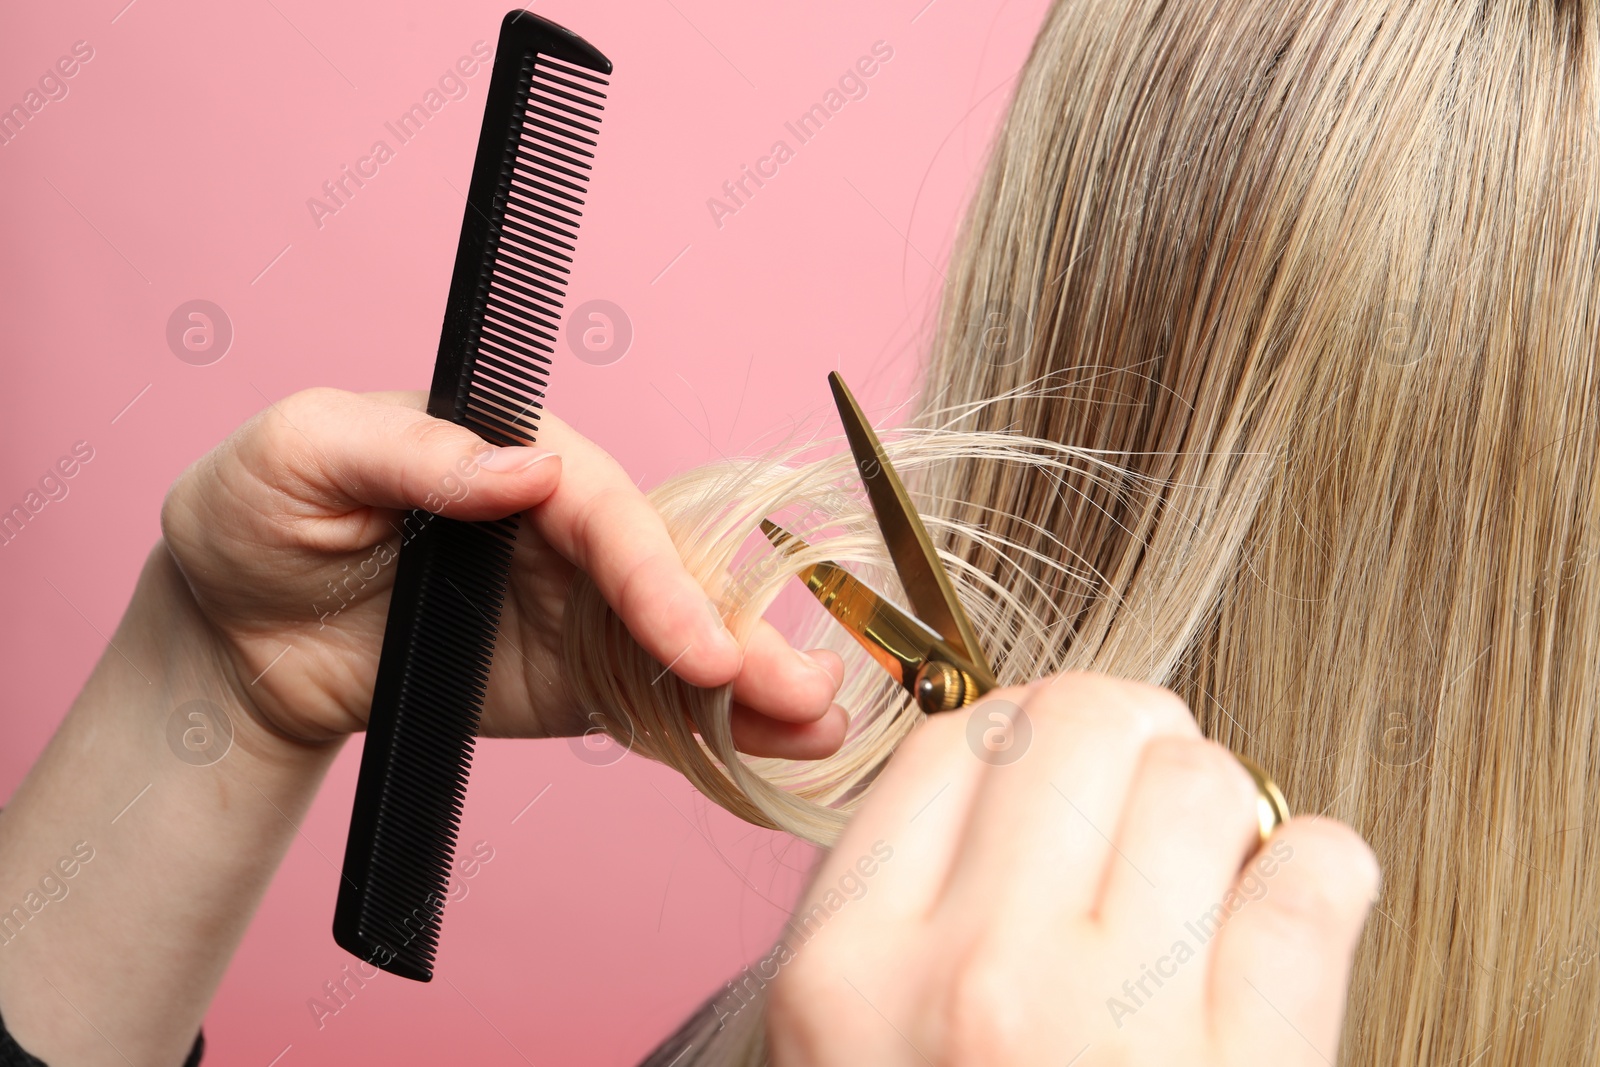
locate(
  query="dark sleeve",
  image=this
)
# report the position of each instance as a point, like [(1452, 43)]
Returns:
[(13, 1055)]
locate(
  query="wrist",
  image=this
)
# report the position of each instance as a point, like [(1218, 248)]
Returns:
[(199, 674), (185, 820)]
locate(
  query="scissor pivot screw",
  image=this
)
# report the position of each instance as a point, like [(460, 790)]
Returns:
[(941, 687)]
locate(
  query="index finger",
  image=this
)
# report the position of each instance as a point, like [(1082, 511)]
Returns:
[(600, 521)]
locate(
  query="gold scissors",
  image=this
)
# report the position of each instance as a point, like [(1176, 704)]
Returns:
[(935, 656)]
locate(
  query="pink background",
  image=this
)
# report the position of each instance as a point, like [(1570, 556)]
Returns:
[(178, 167)]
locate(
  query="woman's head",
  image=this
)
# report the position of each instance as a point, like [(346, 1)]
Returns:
[(1322, 278), (1266, 371)]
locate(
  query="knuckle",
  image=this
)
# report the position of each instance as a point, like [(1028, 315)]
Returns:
[(1115, 704), (304, 412), (589, 521), (805, 1002), (1201, 774), (986, 1014), (1300, 913), (647, 566), (315, 399), (281, 436), (1159, 710), (429, 435), (173, 505), (186, 485), (803, 982), (639, 584), (438, 461), (792, 998), (275, 428), (1065, 697)]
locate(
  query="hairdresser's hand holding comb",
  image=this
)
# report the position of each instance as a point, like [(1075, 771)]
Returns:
[(1102, 901), (288, 531), (269, 595)]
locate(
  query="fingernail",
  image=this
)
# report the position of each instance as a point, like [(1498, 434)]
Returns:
[(719, 631), (512, 459), (809, 656)]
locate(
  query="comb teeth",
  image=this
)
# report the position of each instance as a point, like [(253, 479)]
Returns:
[(448, 652), (539, 202), (501, 323)]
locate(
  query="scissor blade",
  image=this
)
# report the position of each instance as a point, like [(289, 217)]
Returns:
[(926, 583), (899, 643)]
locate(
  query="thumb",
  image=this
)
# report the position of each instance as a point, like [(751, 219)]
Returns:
[(337, 451)]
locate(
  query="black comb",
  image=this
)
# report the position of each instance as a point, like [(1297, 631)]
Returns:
[(535, 154)]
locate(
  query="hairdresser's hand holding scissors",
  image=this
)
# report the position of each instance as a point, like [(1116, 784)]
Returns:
[(1114, 890), (1094, 903), (288, 532)]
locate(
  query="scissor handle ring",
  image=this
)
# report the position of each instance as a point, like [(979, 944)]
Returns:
[(1272, 810)]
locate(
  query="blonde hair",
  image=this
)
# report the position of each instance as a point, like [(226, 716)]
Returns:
[(1266, 371)]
